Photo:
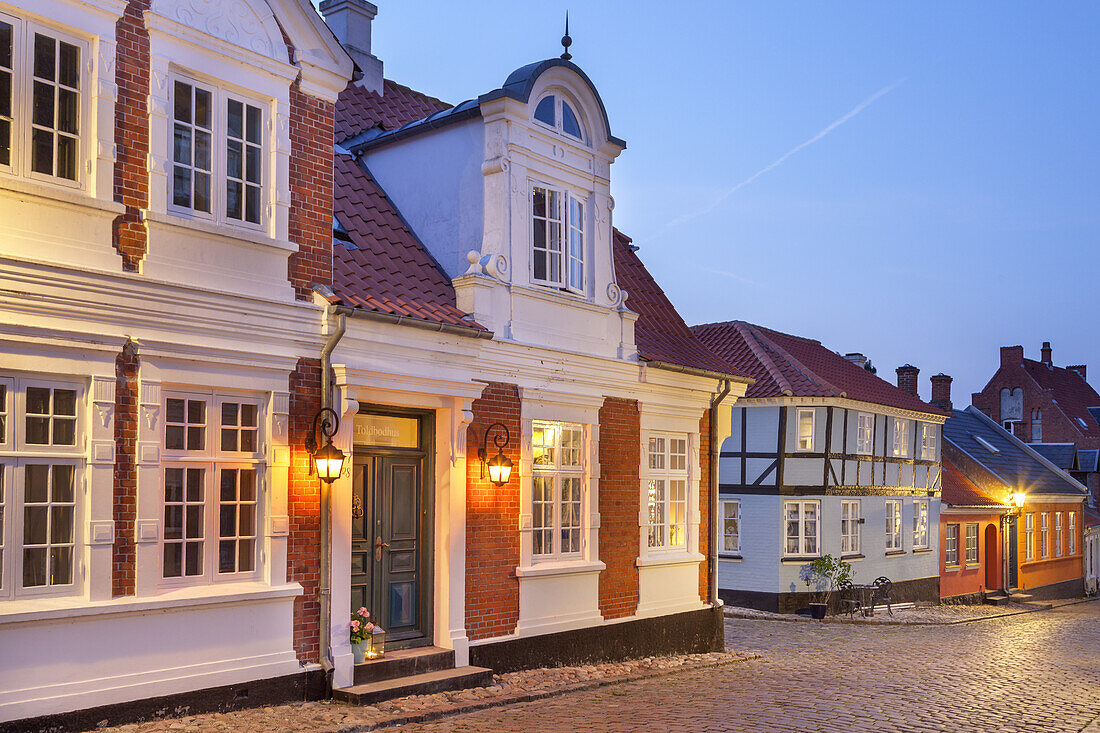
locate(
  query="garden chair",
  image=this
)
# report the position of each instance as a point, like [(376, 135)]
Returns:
[(848, 601), (882, 592)]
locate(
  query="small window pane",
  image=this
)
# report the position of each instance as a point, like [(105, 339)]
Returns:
[(569, 122), (5, 44), (202, 108), (42, 105), (252, 132), (235, 119), (42, 151), (64, 402), (70, 65), (66, 157), (544, 112), (182, 101), (44, 57)]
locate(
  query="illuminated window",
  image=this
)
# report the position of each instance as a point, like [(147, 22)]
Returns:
[(849, 527), (920, 524), (731, 526), (901, 438), (1057, 534), (805, 428), (951, 546), (927, 441), (557, 238), (218, 148), (865, 432), (802, 528), (972, 544), (893, 525), (1044, 540), (1029, 536), (557, 489), (1072, 533), (666, 484)]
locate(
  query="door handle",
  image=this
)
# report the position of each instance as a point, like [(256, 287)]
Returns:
[(378, 545)]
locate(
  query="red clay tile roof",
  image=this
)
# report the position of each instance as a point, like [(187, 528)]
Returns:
[(958, 490), (387, 270), (358, 109), (1072, 393), (1092, 519), (660, 333), (783, 364)]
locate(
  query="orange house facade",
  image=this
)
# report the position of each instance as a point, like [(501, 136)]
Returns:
[(1012, 521)]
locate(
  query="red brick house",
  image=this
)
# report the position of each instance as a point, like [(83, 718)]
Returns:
[(1050, 407)]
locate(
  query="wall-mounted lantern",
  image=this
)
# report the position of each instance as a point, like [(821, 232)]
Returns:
[(1018, 500), (500, 467), (328, 459)]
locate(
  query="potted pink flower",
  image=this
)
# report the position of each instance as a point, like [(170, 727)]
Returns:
[(361, 634)]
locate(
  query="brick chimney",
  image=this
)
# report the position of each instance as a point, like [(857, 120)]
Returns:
[(941, 392), (1080, 369), (856, 358), (350, 22), (907, 378), (1045, 358), (1012, 356)]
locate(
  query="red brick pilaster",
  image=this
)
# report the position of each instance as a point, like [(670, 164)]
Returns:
[(705, 499), (125, 481), (620, 499), (131, 175), (492, 521), (311, 133), (304, 510)]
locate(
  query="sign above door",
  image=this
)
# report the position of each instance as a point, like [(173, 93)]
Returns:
[(386, 431)]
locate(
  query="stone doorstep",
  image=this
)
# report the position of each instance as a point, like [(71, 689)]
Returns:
[(425, 683), (532, 696), (404, 663)]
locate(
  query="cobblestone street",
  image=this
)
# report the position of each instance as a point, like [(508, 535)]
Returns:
[(1034, 672)]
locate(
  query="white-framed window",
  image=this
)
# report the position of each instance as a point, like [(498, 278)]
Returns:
[(1072, 533), (557, 494), (1057, 534), (802, 528), (865, 433), (1029, 536), (558, 225), (901, 438), (556, 112), (218, 146), (951, 546), (731, 526), (927, 441), (1037, 425), (41, 487), (805, 416), (666, 490), (42, 102), (971, 544), (1044, 539), (893, 525), (920, 524), (849, 527), (212, 479)]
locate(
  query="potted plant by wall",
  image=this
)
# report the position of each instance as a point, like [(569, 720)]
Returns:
[(822, 576), (361, 629)]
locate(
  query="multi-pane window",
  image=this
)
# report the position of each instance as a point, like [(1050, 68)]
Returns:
[(1044, 543), (920, 524), (927, 441), (901, 437), (1036, 425), (557, 238), (1057, 534), (1029, 536), (849, 527), (731, 526), (554, 111), (217, 147), (212, 477), (893, 525), (1073, 533), (7, 73), (667, 481), (805, 438), (801, 527), (556, 488), (40, 487), (972, 544), (951, 545), (865, 433)]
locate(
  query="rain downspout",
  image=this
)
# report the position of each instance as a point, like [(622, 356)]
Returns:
[(326, 500), (712, 521)]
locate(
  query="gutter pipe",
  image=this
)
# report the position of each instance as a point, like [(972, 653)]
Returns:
[(712, 522), (326, 504), (468, 331)]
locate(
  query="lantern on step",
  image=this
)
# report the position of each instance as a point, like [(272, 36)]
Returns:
[(376, 642)]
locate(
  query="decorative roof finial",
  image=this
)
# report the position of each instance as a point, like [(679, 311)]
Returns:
[(566, 41)]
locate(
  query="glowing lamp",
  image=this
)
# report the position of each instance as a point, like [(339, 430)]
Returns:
[(500, 467), (328, 460), (1018, 500), (376, 643)]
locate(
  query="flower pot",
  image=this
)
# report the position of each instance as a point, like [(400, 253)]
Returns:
[(359, 651), (817, 610)]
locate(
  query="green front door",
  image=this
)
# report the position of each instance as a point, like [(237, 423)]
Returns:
[(391, 527)]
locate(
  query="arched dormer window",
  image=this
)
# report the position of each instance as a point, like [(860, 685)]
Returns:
[(554, 111)]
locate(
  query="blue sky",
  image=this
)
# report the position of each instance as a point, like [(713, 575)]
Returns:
[(952, 210)]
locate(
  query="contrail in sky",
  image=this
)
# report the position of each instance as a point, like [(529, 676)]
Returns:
[(780, 160)]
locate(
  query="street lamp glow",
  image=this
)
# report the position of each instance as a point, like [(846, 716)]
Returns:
[(1018, 500)]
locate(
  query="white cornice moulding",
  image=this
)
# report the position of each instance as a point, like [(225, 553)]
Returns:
[(849, 404)]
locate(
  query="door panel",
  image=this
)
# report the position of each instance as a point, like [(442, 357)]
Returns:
[(361, 541), (400, 528), (1013, 580)]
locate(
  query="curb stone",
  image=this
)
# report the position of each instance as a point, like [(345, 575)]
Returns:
[(1035, 607), (532, 696)]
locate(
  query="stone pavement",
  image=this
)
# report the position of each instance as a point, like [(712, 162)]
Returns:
[(1035, 672)]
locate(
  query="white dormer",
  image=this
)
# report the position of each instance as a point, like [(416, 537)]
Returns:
[(511, 195)]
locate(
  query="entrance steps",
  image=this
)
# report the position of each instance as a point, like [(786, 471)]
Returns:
[(420, 671), (996, 599)]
